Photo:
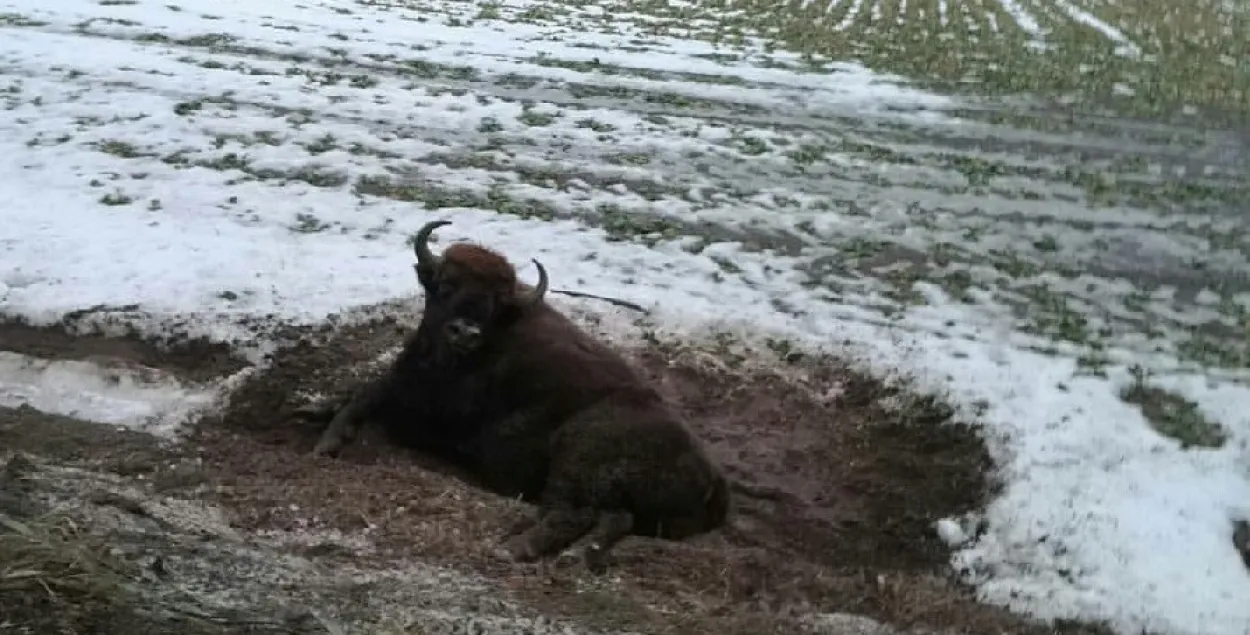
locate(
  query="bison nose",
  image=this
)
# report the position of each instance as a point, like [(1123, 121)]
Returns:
[(462, 333)]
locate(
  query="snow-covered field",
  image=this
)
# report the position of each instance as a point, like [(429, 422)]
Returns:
[(1022, 17), (222, 168)]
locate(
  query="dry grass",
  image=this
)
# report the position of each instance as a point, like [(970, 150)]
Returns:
[(51, 570), (47, 558), (53, 578), (56, 576)]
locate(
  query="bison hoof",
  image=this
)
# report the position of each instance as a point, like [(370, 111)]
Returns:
[(314, 412), (595, 557), (328, 448), (520, 549)]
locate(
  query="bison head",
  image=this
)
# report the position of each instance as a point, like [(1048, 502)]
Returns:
[(471, 292)]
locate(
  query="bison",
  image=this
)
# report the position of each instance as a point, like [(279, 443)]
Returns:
[(498, 382)]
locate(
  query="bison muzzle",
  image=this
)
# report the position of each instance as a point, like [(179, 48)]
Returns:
[(498, 382)]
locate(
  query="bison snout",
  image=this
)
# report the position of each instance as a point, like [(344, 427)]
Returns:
[(462, 334)]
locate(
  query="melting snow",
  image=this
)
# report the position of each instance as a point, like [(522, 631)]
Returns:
[(1127, 47), (142, 398), (849, 17), (1022, 17)]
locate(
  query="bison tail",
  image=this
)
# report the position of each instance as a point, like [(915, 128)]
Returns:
[(760, 492)]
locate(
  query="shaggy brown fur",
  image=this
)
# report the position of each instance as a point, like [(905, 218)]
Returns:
[(484, 264), (501, 383)]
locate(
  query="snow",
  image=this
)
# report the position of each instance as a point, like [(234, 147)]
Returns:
[(1022, 18), (1148, 530), (490, 51), (849, 17), (140, 398), (949, 530), (1101, 518), (1127, 47)]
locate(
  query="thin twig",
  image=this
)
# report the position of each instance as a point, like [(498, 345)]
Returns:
[(618, 302), (762, 492)]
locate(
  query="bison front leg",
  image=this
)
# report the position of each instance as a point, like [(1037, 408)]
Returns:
[(610, 529), (346, 424), (555, 530)]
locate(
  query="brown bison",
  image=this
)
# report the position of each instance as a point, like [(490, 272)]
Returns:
[(497, 381)]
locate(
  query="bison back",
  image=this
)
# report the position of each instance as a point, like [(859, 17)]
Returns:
[(638, 456)]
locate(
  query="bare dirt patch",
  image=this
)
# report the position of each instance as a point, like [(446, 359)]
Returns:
[(191, 359), (71, 441), (95, 545), (842, 488)]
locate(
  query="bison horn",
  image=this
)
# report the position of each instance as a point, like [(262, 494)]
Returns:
[(540, 289), (421, 243)]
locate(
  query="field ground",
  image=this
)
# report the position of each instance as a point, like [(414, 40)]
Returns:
[(1065, 266), (1153, 57), (245, 488)]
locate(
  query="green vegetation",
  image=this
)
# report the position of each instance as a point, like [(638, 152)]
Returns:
[(1172, 415), (1159, 57)]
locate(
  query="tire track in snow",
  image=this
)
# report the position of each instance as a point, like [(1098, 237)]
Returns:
[(972, 17), (1126, 46), (1022, 18), (851, 13)]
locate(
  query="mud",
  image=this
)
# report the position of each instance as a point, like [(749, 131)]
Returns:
[(190, 359), (84, 549), (75, 584), (72, 441), (835, 511)]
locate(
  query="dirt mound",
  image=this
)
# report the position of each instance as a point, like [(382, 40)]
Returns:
[(85, 550), (839, 494), (71, 572)]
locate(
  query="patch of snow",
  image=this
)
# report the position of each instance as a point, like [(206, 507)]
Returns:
[(1112, 519), (1127, 47), (970, 21), (491, 51), (849, 17), (140, 398), (1022, 18), (950, 532)]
